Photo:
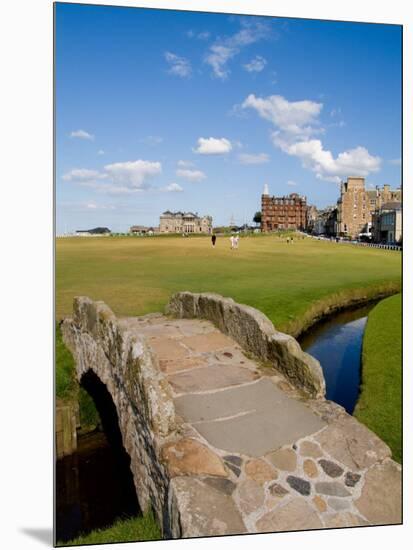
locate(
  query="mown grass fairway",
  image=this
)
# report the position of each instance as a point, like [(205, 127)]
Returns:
[(135, 276), (380, 402)]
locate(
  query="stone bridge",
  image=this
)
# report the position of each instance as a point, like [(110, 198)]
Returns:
[(225, 421)]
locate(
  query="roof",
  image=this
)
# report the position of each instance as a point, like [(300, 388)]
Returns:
[(396, 205)]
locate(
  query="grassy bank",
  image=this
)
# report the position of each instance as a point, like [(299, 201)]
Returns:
[(379, 406), (125, 530), (290, 283), (67, 387)]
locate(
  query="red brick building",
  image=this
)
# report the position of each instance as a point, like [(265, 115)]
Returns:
[(283, 212)]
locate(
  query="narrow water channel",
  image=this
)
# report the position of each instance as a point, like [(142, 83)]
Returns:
[(337, 344), (94, 486), (92, 489)]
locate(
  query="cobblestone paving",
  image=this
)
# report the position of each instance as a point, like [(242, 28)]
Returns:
[(253, 454)]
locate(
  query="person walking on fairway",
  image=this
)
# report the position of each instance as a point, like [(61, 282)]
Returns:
[(213, 239), (236, 240), (288, 240), (232, 239)]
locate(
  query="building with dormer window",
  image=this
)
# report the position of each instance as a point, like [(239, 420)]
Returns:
[(184, 222)]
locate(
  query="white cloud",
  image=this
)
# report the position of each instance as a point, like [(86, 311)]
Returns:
[(82, 134), (296, 118), (396, 162), (185, 163), (226, 48), (353, 162), (218, 57), (213, 146), (191, 175), (101, 152), (256, 65), (133, 173), (172, 188), (260, 158), (292, 183), (296, 123), (178, 66), (94, 206), (118, 178), (83, 174)]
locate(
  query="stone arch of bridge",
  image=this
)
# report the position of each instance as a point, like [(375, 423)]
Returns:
[(109, 418)]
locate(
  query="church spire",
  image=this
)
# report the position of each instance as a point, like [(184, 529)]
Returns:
[(266, 191)]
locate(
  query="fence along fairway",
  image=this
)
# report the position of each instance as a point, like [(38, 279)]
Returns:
[(135, 276)]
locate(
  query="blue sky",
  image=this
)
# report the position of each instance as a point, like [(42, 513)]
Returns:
[(161, 110)]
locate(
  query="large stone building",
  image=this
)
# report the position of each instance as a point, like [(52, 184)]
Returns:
[(184, 222), (387, 223), (356, 206), (283, 212)]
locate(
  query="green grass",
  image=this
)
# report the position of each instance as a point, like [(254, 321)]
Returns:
[(125, 530), (287, 282), (66, 384), (67, 387), (380, 403)]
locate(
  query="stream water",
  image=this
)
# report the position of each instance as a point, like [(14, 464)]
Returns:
[(93, 488), (337, 344)]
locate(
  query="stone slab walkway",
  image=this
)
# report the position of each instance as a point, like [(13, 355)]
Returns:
[(253, 454)]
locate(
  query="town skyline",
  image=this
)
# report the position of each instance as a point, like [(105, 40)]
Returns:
[(163, 110)]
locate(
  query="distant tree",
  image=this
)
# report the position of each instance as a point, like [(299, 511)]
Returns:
[(257, 217)]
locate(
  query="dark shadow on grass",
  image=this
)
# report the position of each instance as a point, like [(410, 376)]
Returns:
[(44, 535)]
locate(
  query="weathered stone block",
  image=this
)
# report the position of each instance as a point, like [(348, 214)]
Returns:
[(352, 444), (331, 468), (201, 510), (251, 496), (331, 488), (381, 501), (188, 456), (284, 459), (296, 515), (260, 471)]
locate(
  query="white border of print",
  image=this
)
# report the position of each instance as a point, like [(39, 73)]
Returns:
[(27, 270)]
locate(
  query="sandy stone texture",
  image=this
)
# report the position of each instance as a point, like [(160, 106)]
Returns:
[(284, 459), (251, 496), (308, 448), (188, 456), (310, 468), (260, 471), (381, 501), (296, 515), (204, 509), (352, 444)]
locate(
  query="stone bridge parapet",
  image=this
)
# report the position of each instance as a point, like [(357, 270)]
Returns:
[(256, 334)]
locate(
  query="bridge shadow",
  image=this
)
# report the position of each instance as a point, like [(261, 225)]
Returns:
[(110, 426), (94, 486)]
